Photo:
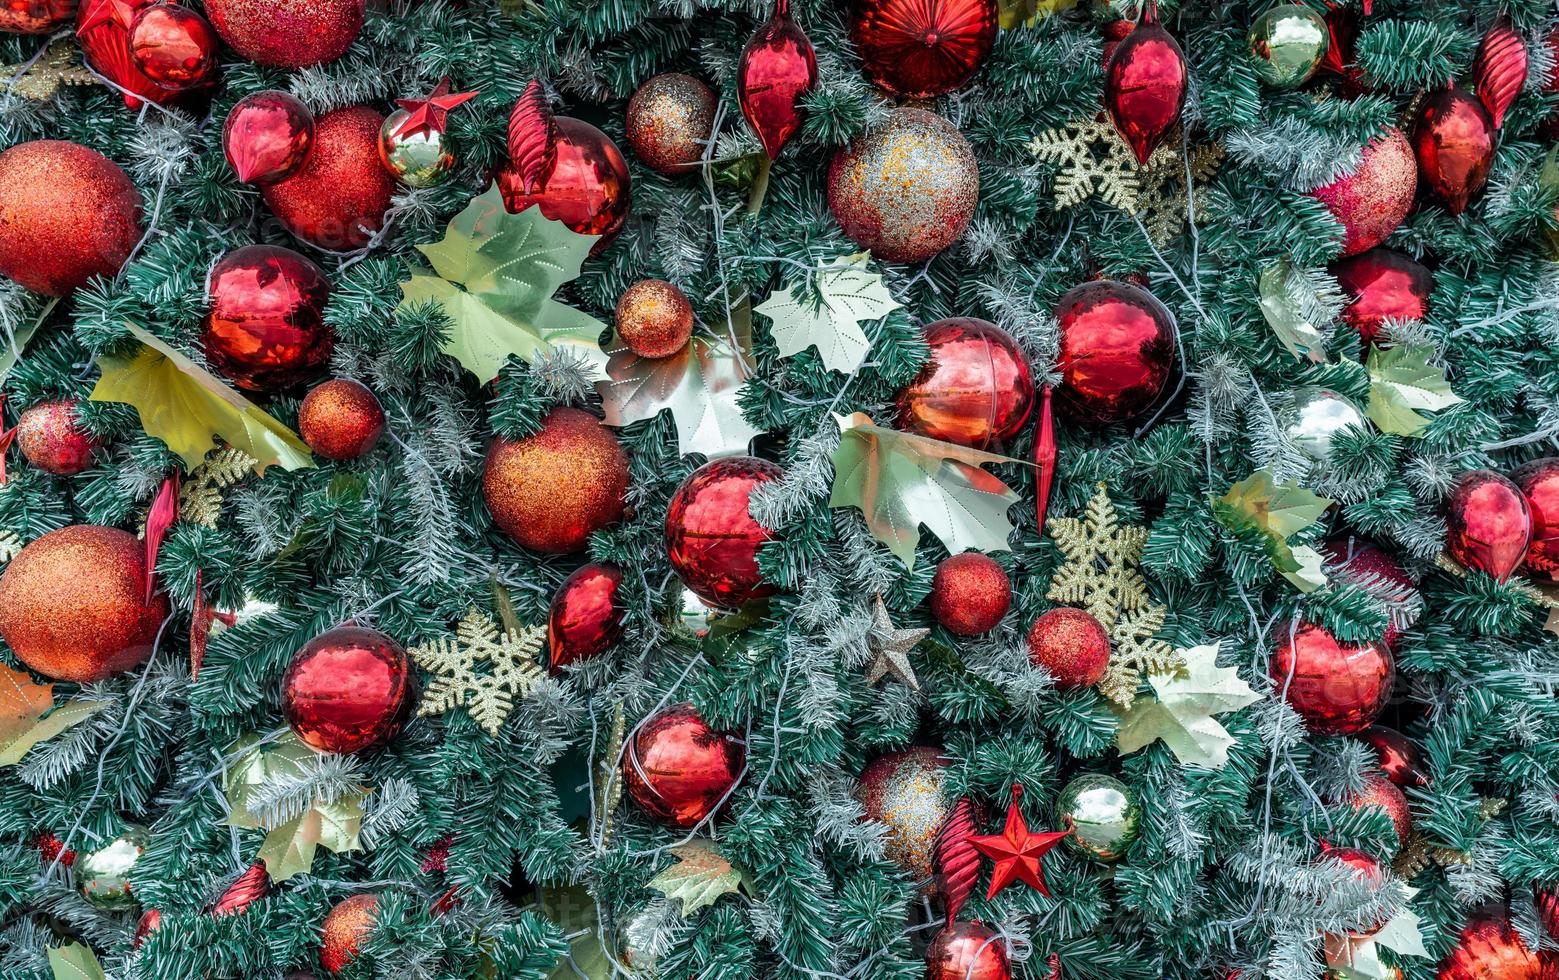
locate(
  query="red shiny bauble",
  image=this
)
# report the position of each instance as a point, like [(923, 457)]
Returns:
[(976, 390), (1381, 285), (346, 928), (678, 769), (711, 538), (52, 440), (1539, 484), (73, 604), (173, 46), (1395, 754), (1454, 143), (347, 690), (670, 121), (1488, 948), (586, 617), (1117, 351), (1342, 31), (267, 136), (266, 329), (778, 67), (1488, 523), (1145, 85), (103, 31), (654, 318), (341, 419), (551, 490), (338, 197), (287, 33), (970, 593), (1071, 645), (968, 951), (1337, 688), (587, 188), (1358, 563), (67, 214), (1380, 792), (1373, 200), (149, 922), (917, 49), (35, 16), (907, 791)]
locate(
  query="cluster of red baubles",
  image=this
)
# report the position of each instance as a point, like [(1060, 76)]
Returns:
[(1495, 524)]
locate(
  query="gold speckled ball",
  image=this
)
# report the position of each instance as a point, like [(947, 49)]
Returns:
[(341, 419), (654, 318), (907, 189), (669, 121), (346, 928), (907, 791), (549, 491)]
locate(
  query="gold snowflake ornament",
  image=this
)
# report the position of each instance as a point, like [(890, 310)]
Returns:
[(200, 497), (59, 65), (482, 668)]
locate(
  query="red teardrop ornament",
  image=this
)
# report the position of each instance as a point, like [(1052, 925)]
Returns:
[(1500, 69), (1381, 285), (917, 49), (1539, 483), (1145, 85), (1396, 755), (1454, 143), (778, 67), (267, 136), (1488, 523)]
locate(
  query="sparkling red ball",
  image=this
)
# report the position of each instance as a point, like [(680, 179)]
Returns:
[(1372, 200), (970, 593), (267, 136), (341, 419), (1382, 285), (1365, 566), (1337, 688), (670, 120), (976, 390), (67, 213), (1539, 484), (266, 328), (1071, 645), (346, 928), (35, 16), (1489, 948), (678, 769), (588, 189), (654, 318), (338, 197), (1117, 351), (586, 616), (1488, 523), (549, 491), (173, 46), (968, 951), (918, 50), (52, 439), (711, 538), (348, 689), (288, 33), (1381, 793)]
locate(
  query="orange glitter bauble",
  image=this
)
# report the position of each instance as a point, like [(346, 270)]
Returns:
[(67, 213), (1373, 199), (669, 121), (1072, 645), (1489, 949), (338, 197), (907, 791), (549, 491), (287, 33), (341, 419), (73, 604), (346, 928), (654, 318), (970, 593), (52, 440)]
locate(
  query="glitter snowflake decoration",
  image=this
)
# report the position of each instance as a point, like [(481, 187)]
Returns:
[(200, 498), (482, 668)]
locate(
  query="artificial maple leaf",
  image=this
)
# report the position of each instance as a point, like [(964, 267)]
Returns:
[(1181, 708), (1027, 13), (1404, 383), (290, 844), (1296, 304), (1278, 513), (494, 274), (11, 347), (828, 314), (481, 669), (701, 875), (74, 962), (899, 481), (187, 406), (28, 715)]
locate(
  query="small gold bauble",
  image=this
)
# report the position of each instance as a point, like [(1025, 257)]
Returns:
[(1288, 43), (1102, 814), (419, 159), (103, 876)]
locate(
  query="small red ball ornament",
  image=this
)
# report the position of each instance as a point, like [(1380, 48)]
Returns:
[(907, 791), (1382, 285), (654, 318), (1488, 523), (970, 593), (976, 390), (1396, 755), (174, 47), (1488, 948), (288, 33), (968, 951), (917, 50), (678, 769), (1381, 793), (1365, 866), (347, 690), (1337, 688), (1372, 201), (1145, 84), (778, 67), (1454, 143), (346, 928), (1071, 645), (712, 539), (1117, 351), (35, 16), (1539, 484), (338, 197), (550, 491), (103, 31), (67, 213), (1547, 902), (267, 136), (1365, 566), (266, 329), (586, 618), (341, 419), (670, 120), (52, 440)]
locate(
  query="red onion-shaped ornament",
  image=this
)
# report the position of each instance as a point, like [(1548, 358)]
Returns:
[(103, 31), (1117, 351), (1382, 285), (338, 198), (778, 67), (678, 769), (267, 136), (712, 539), (1338, 688), (52, 440), (1454, 143), (1372, 200), (1488, 523), (918, 49), (1539, 484), (977, 389), (586, 617), (266, 329), (968, 951), (35, 16), (1488, 948), (174, 47), (1145, 84), (348, 689), (1499, 71)]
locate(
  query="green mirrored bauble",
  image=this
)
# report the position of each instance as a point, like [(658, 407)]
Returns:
[(1288, 42), (419, 159), (103, 876), (1102, 814)]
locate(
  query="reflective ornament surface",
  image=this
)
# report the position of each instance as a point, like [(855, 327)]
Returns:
[(588, 187), (341, 419), (338, 197), (349, 689), (1372, 200), (1454, 143), (103, 32), (711, 537), (777, 68), (968, 951), (174, 47), (1395, 754), (1488, 523), (907, 791), (1382, 285), (267, 136), (52, 439), (1489, 948), (670, 121), (678, 769), (1539, 484), (1117, 351), (419, 159), (103, 876), (67, 214), (1145, 84), (1101, 812), (266, 328), (1071, 645), (1337, 688), (1287, 44), (976, 390), (1319, 414), (586, 616), (550, 491), (918, 49)]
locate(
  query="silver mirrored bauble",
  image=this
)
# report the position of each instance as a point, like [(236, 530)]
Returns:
[(419, 159), (1288, 43), (103, 876), (1319, 414), (1101, 812)]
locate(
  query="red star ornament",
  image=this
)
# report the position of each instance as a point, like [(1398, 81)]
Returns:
[(428, 115), (1017, 852)]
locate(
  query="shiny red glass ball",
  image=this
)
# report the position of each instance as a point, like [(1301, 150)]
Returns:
[(267, 136), (1488, 523), (1117, 351), (106, 47), (678, 769), (1145, 84), (1380, 792), (1539, 484), (588, 188), (977, 389), (551, 490), (173, 46), (348, 689), (52, 440), (1488, 948), (1072, 645), (586, 617), (1396, 755), (1382, 285), (917, 49), (288, 33), (266, 329), (338, 197), (1363, 565), (711, 538), (970, 593), (341, 419), (1372, 200), (67, 213), (968, 951), (35, 16), (1337, 688), (1454, 143), (777, 68)]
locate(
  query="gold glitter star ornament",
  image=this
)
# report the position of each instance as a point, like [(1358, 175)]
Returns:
[(482, 669), (890, 648)]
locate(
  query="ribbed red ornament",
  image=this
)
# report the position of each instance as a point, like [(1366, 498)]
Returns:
[(1489, 949), (917, 49), (778, 67), (1337, 688), (1454, 144), (1488, 523), (1539, 484), (103, 31), (955, 860), (1499, 71), (251, 886), (1145, 84), (533, 137), (1382, 285)]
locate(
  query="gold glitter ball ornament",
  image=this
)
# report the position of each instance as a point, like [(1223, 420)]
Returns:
[(654, 318), (103, 876), (670, 119), (419, 159), (550, 491), (907, 189), (907, 790)]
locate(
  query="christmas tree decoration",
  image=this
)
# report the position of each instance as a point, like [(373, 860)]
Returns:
[(338, 197), (1380, 792), (712, 540), (550, 491), (1365, 867), (1397, 757), (970, 593), (248, 888), (267, 136), (1372, 200), (430, 113), (1499, 70), (1337, 688), (777, 68), (1382, 285), (900, 481), (341, 419), (1358, 956), (174, 47), (483, 669), (670, 123), (906, 790), (1145, 84), (287, 33), (1016, 852), (74, 962), (1454, 144), (1404, 383), (976, 390), (586, 616), (1297, 303), (1319, 415), (826, 312), (1342, 30), (266, 328), (917, 50), (956, 861), (1180, 711), (1488, 523), (35, 16), (1539, 484), (345, 929), (1366, 567), (1277, 513), (654, 318), (1117, 351), (1094, 163), (1071, 645), (67, 214), (890, 647), (1102, 814), (1287, 44), (149, 922), (906, 190), (52, 440), (103, 876), (700, 875), (73, 604), (41, 78), (103, 32), (349, 689), (1488, 948), (968, 951), (293, 837), (412, 141), (679, 770), (29, 716)]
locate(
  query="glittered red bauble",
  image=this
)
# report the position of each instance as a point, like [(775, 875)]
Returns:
[(73, 604), (1454, 143), (671, 118), (173, 46), (1358, 563), (778, 67), (67, 214), (341, 419), (549, 491), (1539, 484), (917, 49), (711, 538), (907, 791), (346, 928), (586, 617), (678, 769), (266, 329), (267, 136), (347, 690), (1380, 792), (970, 593), (1488, 948), (1397, 757), (1488, 523), (1337, 688), (968, 951), (35, 16), (338, 197), (103, 31), (654, 318), (1117, 351), (1072, 645), (1145, 85), (588, 187), (52, 440), (1373, 199), (907, 189), (287, 33), (976, 390), (1381, 285)]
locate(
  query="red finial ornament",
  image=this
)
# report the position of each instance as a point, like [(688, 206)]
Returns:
[(165, 510), (1145, 84), (956, 861), (1016, 852), (1500, 69), (533, 135), (250, 886), (778, 67), (428, 115)]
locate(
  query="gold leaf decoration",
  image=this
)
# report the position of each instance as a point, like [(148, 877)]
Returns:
[(292, 840), (1094, 163), (700, 876), (481, 669), (58, 66), (28, 715)]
